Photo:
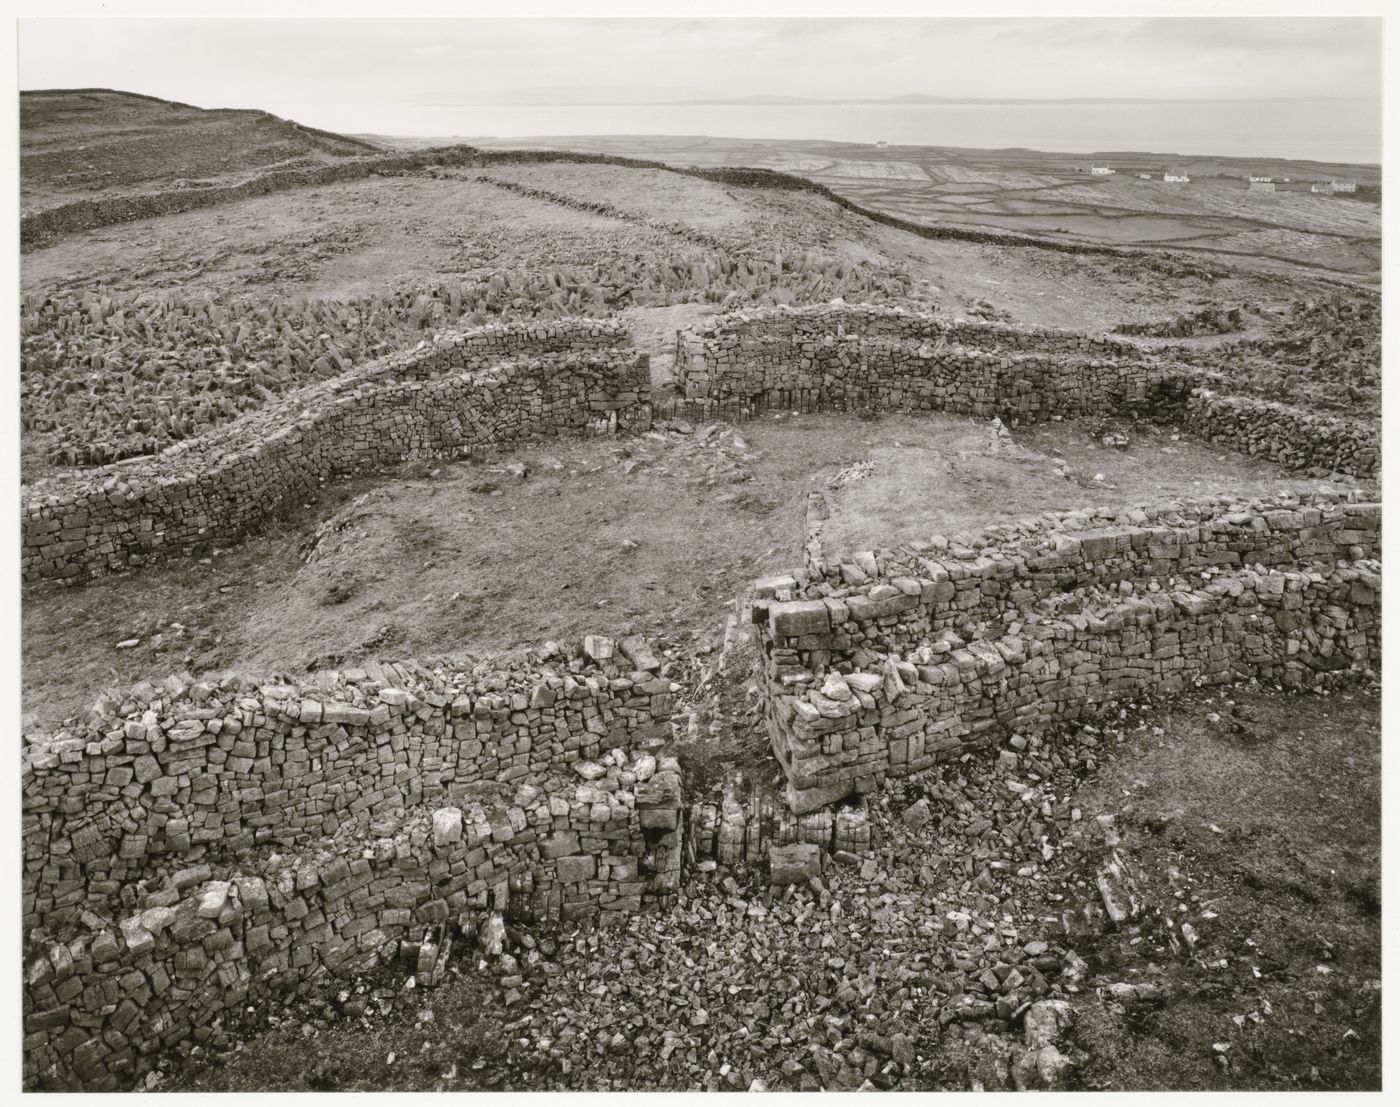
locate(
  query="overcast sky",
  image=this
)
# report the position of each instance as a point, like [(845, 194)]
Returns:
[(280, 64)]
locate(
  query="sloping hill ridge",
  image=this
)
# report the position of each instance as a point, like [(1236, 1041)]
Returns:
[(81, 143)]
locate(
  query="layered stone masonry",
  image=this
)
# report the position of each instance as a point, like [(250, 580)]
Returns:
[(494, 385), (205, 845), (897, 659), (220, 769), (1289, 436), (737, 830), (861, 357)]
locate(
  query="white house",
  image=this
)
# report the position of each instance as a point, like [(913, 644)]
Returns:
[(1319, 186), (882, 144), (1102, 171), (1345, 185), (1144, 176), (1260, 180), (1176, 176)]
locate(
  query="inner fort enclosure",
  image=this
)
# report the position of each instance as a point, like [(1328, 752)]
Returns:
[(682, 616), (195, 845), (864, 357)]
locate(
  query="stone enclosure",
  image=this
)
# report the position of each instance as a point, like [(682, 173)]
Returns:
[(462, 392), (195, 846), (901, 658), (864, 357)]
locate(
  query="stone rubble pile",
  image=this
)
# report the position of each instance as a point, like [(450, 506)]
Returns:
[(870, 973)]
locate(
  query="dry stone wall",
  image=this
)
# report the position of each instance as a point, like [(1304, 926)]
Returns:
[(741, 337), (857, 372), (480, 388), (1291, 436), (839, 356), (898, 659), (42, 227), (202, 845)]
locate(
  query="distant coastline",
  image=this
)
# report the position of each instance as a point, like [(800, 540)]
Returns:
[(915, 99), (1335, 131)]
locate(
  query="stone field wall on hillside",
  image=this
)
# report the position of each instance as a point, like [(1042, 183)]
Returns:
[(898, 659), (837, 356), (817, 321), (485, 387), (198, 846), (43, 227)]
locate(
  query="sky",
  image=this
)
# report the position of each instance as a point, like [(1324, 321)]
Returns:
[(278, 64)]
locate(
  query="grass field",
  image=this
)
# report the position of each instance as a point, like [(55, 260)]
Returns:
[(655, 536), (133, 340)]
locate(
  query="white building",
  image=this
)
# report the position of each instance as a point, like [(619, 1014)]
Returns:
[(1176, 176), (882, 144), (1102, 171), (1344, 186), (1144, 176), (1260, 180), (1319, 186), (1261, 186)]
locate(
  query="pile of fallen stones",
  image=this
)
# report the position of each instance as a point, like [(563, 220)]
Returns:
[(926, 959)]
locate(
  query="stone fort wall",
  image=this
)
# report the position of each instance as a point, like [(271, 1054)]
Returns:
[(197, 846), (863, 357), (493, 385), (897, 659)]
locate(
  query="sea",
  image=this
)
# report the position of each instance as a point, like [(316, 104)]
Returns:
[(1330, 130)]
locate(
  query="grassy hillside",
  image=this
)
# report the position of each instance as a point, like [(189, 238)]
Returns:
[(140, 333), (78, 143)]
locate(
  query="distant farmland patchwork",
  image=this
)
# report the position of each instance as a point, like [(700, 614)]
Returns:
[(1052, 195)]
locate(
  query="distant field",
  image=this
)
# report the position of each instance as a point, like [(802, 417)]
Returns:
[(1053, 195)]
